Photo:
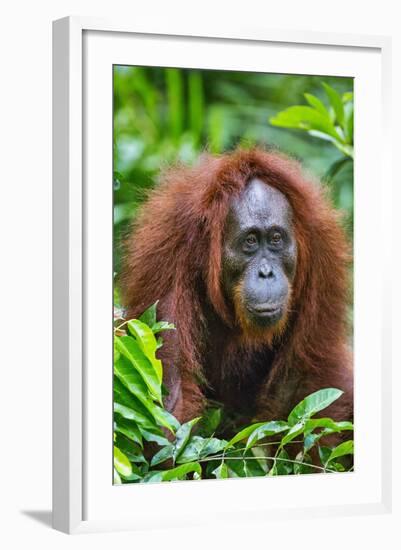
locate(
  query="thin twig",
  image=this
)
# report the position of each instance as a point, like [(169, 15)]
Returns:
[(274, 458)]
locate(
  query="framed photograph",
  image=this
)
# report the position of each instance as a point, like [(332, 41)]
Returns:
[(219, 321)]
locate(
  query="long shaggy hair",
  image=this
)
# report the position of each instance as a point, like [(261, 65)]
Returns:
[(174, 254)]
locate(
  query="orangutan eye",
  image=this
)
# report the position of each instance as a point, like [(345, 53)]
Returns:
[(251, 240), (250, 243), (276, 238)]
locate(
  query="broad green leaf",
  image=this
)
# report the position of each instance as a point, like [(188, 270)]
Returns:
[(180, 472), (336, 102), (295, 430), (266, 430), (164, 418), (149, 315), (337, 466), (192, 450), (346, 448), (348, 150), (162, 325), (132, 414), (136, 474), (132, 379), (132, 477), (310, 440), (347, 96), (200, 447), (133, 409), (138, 412), (327, 423), (324, 453), (221, 472), (154, 435), (243, 434), (129, 429), (210, 420), (164, 454), (305, 118), (212, 446), (131, 450), (316, 103), (133, 351), (312, 404), (182, 436), (121, 463), (147, 343)]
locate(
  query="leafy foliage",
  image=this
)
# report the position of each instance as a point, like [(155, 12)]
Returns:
[(333, 123), (193, 450)]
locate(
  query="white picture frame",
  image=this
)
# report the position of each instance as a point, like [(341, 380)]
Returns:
[(83, 49)]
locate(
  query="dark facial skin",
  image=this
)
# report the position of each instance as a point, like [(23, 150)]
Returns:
[(259, 253)]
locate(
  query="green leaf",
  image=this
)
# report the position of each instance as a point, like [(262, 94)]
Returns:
[(266, 430), (164, 454), (346, 448), (132, 380), (336, 102), (312, 404), (317, 104), (147, 343), (154, 435), (180, 472), (129, 406), (343, 147), (132, 414), (131, 450), (162, 325), (149, 315), (324, 453), (221, 472), (210, 420), (212, 446), (295, 430), (133, 351), (129, 429), (182, 436), (310, 440), (328, 424), (200, 447), (164, 418), (192, 450), (305, 118), (337, 466), (243, 434), (121, 463)]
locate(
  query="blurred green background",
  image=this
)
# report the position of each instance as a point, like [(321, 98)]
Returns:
[(164, 115)]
